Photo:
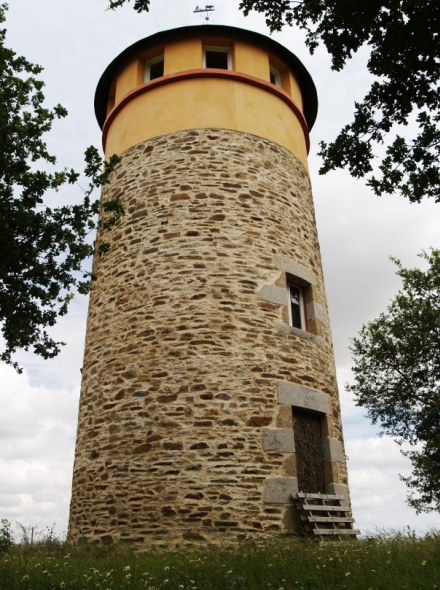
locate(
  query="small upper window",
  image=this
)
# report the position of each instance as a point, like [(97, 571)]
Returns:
[(296, 307), (217, 57), (275, 77), (154, 69)]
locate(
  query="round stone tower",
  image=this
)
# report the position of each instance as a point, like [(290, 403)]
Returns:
[(209, 392)]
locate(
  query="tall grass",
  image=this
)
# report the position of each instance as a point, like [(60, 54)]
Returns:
[(383, 561)]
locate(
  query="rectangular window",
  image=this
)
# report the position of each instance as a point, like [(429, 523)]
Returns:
[(154, 69), (217, 57), (275, 77), (296, 307)]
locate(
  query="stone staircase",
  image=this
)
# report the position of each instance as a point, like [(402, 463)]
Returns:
[(323, 515)]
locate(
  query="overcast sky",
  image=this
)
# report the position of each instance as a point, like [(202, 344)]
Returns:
[(75, 41)]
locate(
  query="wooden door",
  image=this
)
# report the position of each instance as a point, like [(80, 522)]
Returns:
[(308, 448)]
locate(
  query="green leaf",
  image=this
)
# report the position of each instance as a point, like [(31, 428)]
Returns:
[(43, 248)]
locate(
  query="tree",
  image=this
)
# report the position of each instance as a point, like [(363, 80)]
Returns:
[(397, 376), (42, 248), (404, 59), (139, 5)]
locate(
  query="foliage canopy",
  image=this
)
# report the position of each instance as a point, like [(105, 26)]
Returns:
[(42, 247), (404, 44), (397, 376)]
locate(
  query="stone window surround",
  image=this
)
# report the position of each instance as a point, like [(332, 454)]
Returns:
[(278, 490), (298, 275), (292, 285)]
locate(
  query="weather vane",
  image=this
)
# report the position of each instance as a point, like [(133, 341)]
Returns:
[(208, 8)]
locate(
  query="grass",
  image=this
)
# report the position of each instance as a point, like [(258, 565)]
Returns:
[(385, 561)]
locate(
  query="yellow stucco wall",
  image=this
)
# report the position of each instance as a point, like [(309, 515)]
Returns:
[(291, 86), (251, 60), (183, 55), (206, 102), (131, 76), (188, 55)]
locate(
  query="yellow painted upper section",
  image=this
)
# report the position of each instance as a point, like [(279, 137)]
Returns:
[(206, 102), (130, 77), (288, 81), (182, 56), (251, 60)]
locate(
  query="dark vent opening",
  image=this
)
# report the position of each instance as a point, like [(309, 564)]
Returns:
[(217, 59), (156, 70)]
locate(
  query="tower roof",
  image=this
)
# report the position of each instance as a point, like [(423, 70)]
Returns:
[(302, 75)]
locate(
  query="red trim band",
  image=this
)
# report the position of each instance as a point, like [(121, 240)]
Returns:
[(207, 73)]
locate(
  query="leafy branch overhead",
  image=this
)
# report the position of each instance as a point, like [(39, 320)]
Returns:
[(404, 57), (42, 247), (404, 44), (397, 368), (139, 5)]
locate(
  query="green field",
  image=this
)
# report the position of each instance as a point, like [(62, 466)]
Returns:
[(398, 560)]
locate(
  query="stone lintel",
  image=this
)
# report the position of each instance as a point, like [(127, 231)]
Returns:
[(314, 310), (279, 490), (333, 450), (304, 398), (286, 329), (278, 439), (338, 489), (295, 268), (331, 471), (273, 294)]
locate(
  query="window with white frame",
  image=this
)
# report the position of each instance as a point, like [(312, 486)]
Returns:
[(275, 77), (217, 57), (154, 69), (297, 314)]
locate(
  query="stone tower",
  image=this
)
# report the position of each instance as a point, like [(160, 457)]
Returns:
[(209, 393)]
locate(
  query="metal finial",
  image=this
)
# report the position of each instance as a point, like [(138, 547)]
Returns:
[(208, 8)]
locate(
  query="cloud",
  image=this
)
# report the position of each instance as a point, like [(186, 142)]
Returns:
[(377, 493), (384, 451), (37, 434)]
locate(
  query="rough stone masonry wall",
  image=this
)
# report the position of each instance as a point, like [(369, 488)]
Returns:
[(184, 422)]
